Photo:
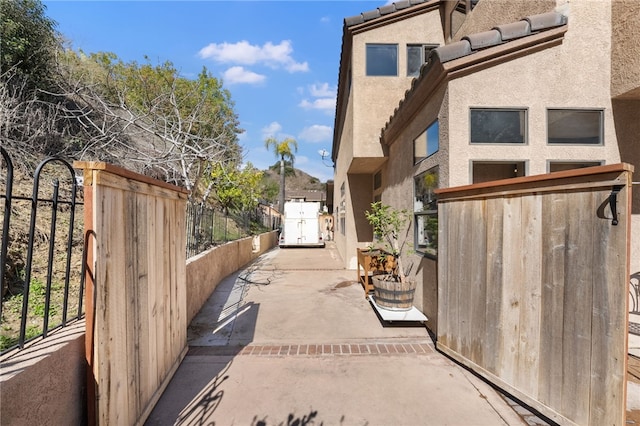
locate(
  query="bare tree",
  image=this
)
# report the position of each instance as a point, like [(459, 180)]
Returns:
[(145, 118)]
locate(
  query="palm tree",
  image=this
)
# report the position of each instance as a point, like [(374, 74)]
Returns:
[(284, 151)]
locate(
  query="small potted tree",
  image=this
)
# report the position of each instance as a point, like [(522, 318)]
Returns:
[(392, 290)]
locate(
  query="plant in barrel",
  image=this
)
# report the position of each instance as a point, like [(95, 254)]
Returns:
[(390, 228)]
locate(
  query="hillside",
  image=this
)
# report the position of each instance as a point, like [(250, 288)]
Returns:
[(297, 182)]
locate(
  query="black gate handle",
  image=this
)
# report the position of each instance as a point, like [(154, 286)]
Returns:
[(613, 203)]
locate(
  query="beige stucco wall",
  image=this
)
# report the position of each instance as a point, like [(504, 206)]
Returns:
[(625, 64), (372, 100), (626, 113), (490, 13), (549, 78), (206, 270), (45, 383), (375, 98), (343, 161)]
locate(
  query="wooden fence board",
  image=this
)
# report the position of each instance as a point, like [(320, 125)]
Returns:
[(511, 289), (142, 275), (551, 270), (554, 210), (529, 339), (139, 331), (477, 277), (153, 380), (494, 280), (463, 281), (444, 236), (130, 283), (577, 309), (608, 373)]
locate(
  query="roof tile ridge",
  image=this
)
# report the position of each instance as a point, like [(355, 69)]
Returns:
[(381, 11)]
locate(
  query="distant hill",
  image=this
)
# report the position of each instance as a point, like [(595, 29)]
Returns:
[(299, 181)]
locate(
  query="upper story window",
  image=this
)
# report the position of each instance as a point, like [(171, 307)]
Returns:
[(417, 54), (382, 59), (498, 125), (427, 143), (575, 126)]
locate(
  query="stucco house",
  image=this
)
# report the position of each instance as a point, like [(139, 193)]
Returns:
[(436, 94)]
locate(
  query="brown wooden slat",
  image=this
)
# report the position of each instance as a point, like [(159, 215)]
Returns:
[(444, 228), (554, 288), (554, 212), (494, 285), (608, 317), (477, 277), (530, 308), (577, 310), (511, 290)]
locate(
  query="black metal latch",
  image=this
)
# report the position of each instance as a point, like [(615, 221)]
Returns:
[(613, 203)]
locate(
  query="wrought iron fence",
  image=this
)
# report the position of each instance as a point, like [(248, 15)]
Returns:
[(42, 267), (207, 227), (42, 252)]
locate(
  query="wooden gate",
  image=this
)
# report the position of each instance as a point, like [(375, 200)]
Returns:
[(533, 277), (136, 291)]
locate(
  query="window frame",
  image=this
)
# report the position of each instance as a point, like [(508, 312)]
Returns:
[(367, 56), (425, 134), (422, 214), (424, 48), (600, 136), (518, 171), (524, 125), (580, 163)]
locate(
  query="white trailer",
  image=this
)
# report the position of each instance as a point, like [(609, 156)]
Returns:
[(301, 225)]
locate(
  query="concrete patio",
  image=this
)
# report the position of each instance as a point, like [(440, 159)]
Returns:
[(290, 339)]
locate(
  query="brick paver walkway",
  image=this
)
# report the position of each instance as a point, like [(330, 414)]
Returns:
[(321, 349)]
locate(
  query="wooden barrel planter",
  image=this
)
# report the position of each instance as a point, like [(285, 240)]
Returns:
[(393, 295)]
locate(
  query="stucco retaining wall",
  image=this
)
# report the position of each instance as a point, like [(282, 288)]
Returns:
[(45, 383), (206, 270)]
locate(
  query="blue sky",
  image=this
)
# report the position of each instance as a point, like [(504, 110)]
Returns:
[(279, 59)]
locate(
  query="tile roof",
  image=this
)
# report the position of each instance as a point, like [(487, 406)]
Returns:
[(498, 35), (381, 11)]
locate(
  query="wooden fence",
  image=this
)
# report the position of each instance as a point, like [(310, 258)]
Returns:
[(533, 276), (136, 293)]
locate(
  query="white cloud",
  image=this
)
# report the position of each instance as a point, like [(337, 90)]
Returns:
[(325, 19), (322, 90), (316, 133), (297, 67), (244, 53), (323, 104), (235, 75), (271, 130), (325, 98)]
